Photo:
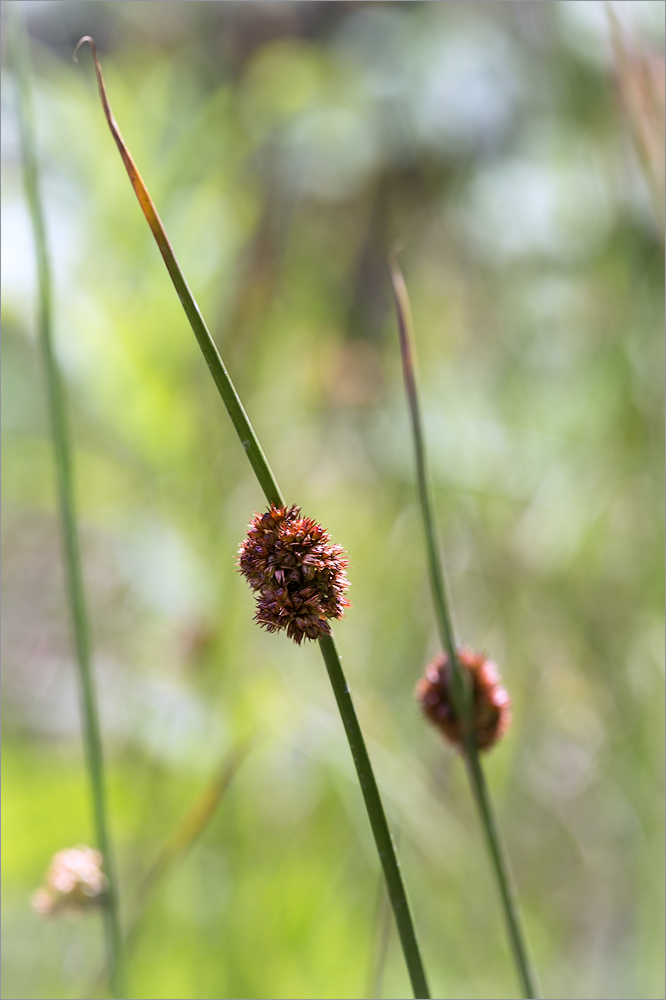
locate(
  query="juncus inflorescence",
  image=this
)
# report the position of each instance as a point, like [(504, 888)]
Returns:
[(297, 574), (491, 705)]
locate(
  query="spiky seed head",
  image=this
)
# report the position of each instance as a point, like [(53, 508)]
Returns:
[(297, 574), (490, 699)]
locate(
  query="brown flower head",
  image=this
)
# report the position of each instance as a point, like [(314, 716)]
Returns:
[(74, 882), (297, 574), (492, 705)]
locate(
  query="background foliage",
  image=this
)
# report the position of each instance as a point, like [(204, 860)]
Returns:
[(286, 146)]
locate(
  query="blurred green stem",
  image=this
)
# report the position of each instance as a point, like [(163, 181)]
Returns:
[(460, 688), (69, 534), (262, 470), (526, 972)]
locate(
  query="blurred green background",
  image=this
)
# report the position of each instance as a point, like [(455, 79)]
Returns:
[(287, 145)]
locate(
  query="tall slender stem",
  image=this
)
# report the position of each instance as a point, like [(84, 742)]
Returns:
[(460, 688), (225, 386), (502, 869), (385, 847), (373, 803), (68, 522)]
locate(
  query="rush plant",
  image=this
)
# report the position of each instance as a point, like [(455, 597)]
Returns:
[(318, 595), (461, 693), (69, 535)]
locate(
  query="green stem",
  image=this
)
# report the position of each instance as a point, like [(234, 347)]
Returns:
[(225, 386), (262, 470), (373, 804), (526, 972), (460, 687), (382, 924), (436, 573), (69, 535)]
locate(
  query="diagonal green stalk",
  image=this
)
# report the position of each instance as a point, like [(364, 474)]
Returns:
[(385, 847), (382, 927), (373, 804), (460, 687), (177, 846), (68, 525)]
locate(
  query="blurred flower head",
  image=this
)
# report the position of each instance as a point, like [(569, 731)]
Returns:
[(491, 702), (298, 575), (74, 882)]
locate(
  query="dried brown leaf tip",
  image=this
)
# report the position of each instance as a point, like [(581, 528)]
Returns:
[(491, 702), (298, 575), (74, 882)]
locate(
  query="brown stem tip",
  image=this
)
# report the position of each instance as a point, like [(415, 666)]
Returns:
[(297, 574), (491, 702)]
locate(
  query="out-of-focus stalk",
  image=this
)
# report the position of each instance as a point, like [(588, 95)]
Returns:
[(460, 687), (68, 524)]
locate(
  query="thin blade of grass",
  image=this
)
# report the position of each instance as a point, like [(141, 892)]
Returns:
[(460, 688), (67, 509), (179, 844), (191, 826), (376, 815)]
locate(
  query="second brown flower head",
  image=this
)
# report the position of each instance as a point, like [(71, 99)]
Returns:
[(491, 705), (296, 572)]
